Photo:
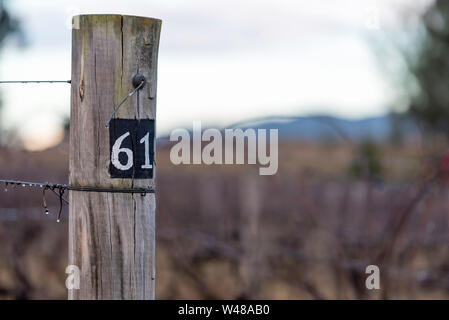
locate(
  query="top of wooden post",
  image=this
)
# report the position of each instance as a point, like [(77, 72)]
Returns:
[(106, 16), (107, 52)]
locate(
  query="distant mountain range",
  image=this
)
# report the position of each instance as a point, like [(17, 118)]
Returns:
[(321, 127), (331, 128)]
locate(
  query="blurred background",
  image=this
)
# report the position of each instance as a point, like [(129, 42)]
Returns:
[(359, 93)]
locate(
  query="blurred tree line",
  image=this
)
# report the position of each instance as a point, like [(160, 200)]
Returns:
[(9, 25), (429, 65)]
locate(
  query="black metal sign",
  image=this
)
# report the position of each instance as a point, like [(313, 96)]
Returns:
[(131, 148)]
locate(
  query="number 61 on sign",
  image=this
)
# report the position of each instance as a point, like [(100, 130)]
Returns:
[(131, 148)]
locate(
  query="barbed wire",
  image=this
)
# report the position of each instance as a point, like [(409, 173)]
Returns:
[(35, 81), (59, 189), (45, 186)]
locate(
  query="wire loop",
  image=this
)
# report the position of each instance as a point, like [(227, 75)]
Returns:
[(124, 100)]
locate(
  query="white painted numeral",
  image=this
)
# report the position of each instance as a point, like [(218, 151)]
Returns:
[(116, 150), (146, 140)]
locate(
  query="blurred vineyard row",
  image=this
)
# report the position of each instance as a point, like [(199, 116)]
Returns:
[(224, 232)]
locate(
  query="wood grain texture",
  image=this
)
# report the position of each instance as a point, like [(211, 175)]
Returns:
[(111, 235)]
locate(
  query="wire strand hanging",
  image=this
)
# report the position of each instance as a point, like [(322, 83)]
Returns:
[(61, 188)]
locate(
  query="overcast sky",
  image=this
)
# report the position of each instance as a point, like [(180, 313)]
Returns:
[(219, 61)]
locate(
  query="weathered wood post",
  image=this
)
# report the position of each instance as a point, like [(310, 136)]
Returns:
[(112, 232), (250, 265)]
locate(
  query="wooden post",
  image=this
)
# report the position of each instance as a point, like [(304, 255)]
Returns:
[(111, 235), (250, 209)]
